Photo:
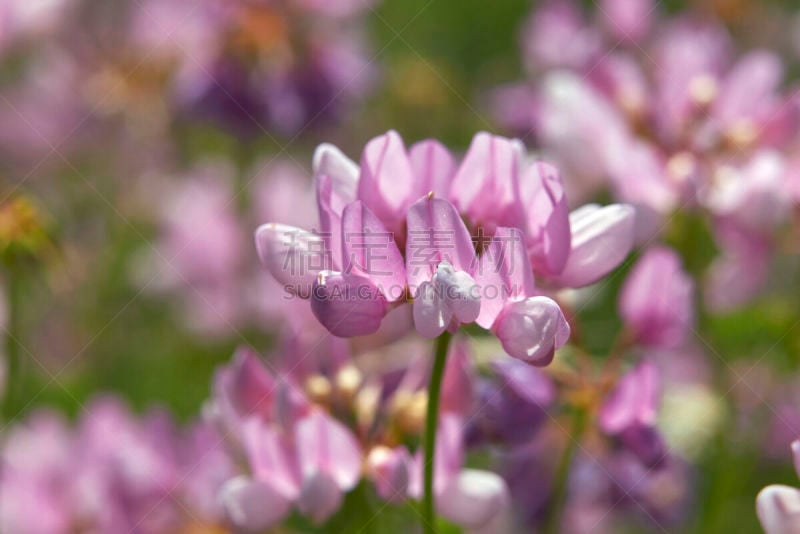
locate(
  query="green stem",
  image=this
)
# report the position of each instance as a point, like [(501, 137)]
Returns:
[(12, 356), (431, 421), (559, 498)]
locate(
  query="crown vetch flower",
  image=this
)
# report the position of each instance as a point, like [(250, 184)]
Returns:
[(413, 225)]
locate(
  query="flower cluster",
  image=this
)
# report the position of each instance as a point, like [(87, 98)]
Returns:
[(462, 242), (111, 473), (311, 436), (663, 113)]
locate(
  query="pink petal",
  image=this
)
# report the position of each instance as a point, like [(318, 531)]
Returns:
[(341, 171), (581, 129), (291, 404), (253, 505), (634, 401), (320, 497), (531, 384), (489, 170), (369, 250), (387, 182), (431, 314), (436, 233), (449, 456), (294, 257), (347, 305), (740, 272), (558, 35), (324, 445), (628, 20), (389, 470), (778, 509), (639, 176), (433, 167), (548, 232), (687, 50), (336, 184), (449, 298), (749, 87), (270, 459), (532, 329), (459, 291), (504, 273), (656, 301), (601, 240), (457, 387), (330, 207), (474, 498), (251, 386)]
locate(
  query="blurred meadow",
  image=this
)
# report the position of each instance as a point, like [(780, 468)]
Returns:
[(123, 133)]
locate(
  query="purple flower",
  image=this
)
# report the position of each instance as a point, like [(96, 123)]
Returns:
[(630, 413)]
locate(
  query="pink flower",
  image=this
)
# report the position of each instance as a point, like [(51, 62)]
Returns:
[(386, 237), (112, 471), (630, 413), (656, 300), (312, 468)]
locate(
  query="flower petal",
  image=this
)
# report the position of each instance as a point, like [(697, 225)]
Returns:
[(459, 292), (369, 250), (324, 445), (532, 329), (634, 401), (294, 257), (548, 230), (252, 505), (342, 171), (656, 300), (270, 458), (601, 239), (433, 167), (489, 170), (329, 207), (778, 509), (431, 315), (320, 497), (386, 183), (504, 273), (436, 233), (347, 305), (750, 88), (389, 470), (474, 498)]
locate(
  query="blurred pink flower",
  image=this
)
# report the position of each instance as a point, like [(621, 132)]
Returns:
[(630, 413), (660, 111), (111, 472), (656, 301)]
